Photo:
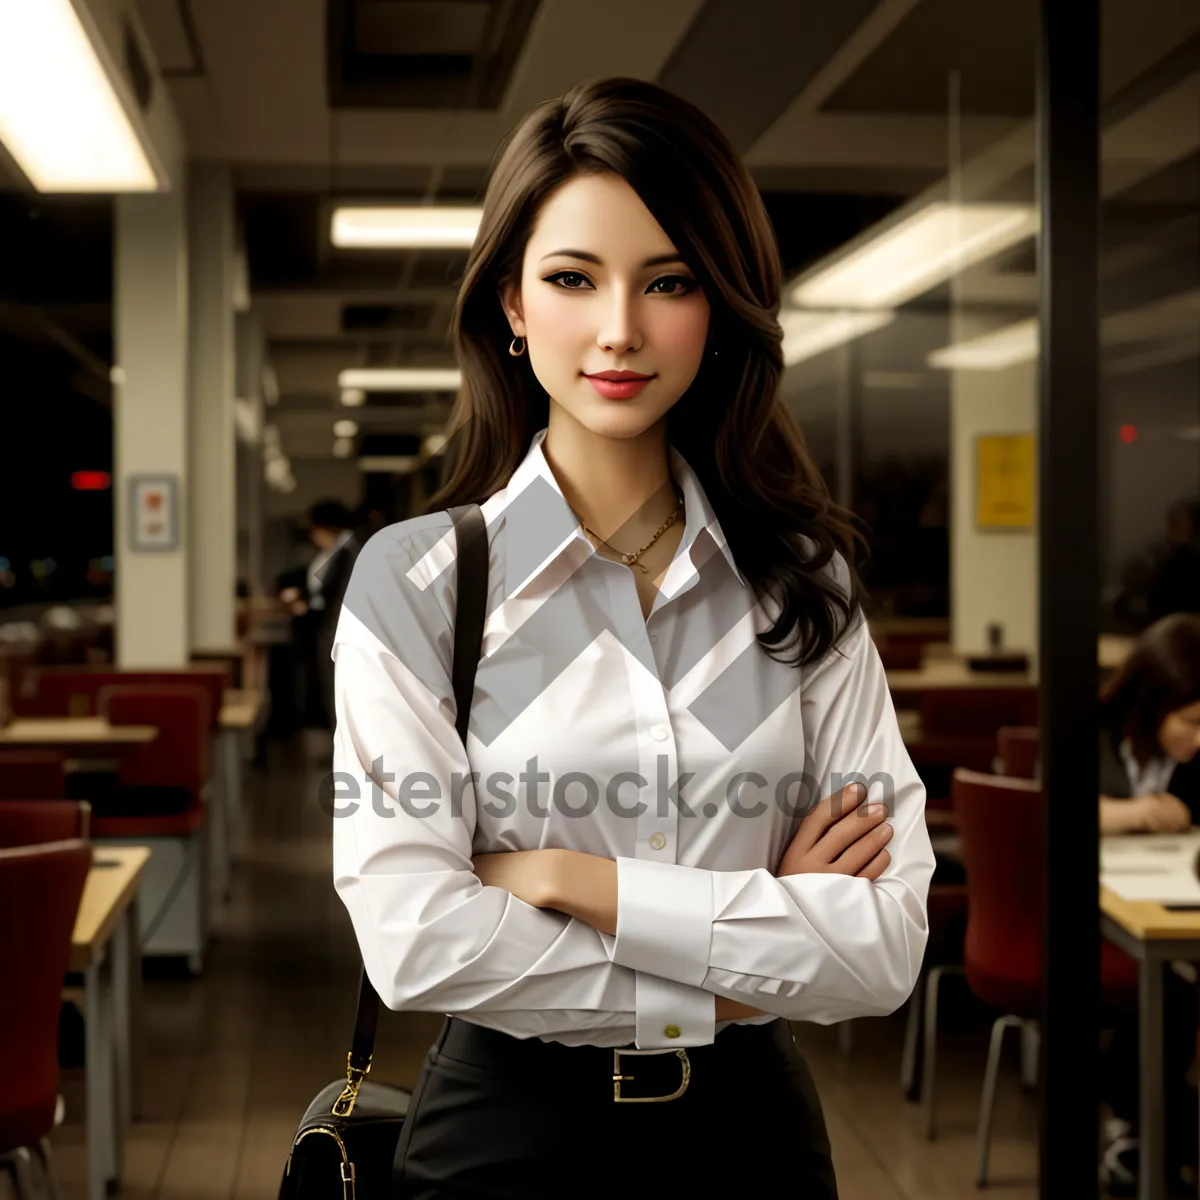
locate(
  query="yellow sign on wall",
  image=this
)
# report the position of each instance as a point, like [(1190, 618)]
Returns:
[(1006, 471)]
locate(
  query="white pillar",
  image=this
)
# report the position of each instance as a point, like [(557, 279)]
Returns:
[(250, 388), (994, 572), (150, 426), (212, 542)]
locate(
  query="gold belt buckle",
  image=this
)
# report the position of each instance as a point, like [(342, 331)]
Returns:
[(619, 1078)]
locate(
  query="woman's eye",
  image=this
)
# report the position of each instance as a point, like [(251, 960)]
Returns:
[(672, 285), (572, 280)]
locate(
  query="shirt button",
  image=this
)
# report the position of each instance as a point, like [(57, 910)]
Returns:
[(658, 841), (672, 1031), (658, 733)]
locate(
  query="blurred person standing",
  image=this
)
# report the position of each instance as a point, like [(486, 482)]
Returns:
[(316, 605)]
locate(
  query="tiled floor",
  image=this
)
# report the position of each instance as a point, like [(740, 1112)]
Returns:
[(235, 1057)]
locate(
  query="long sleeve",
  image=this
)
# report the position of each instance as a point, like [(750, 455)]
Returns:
[(816, 947), (431, 935)]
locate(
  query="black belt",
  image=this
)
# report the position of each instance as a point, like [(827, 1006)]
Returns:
[(668, 1067)]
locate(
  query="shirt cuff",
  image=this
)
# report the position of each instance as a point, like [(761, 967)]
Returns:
[(672, 1015), (664, 920)]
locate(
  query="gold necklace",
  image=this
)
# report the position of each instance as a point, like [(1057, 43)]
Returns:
[(632, 559)]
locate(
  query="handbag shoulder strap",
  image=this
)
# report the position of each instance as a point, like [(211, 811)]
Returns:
[(471, 546)]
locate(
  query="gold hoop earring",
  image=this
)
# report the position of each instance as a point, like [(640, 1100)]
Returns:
[(515, 350)]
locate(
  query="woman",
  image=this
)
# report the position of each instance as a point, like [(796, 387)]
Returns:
[(1150, 732), (1149, 739), (676, 670)]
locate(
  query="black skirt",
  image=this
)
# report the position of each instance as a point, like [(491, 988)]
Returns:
[(498, 1116)]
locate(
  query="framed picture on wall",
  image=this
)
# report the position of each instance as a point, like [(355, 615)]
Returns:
[(1006, 476), (153, 513)]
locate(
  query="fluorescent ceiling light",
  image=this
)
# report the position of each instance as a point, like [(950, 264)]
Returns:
[(992, 352), (916, 255), (807, 334), (413, 226), (60, 116), (400, 379), (353, 397), (345, 429), (398, 463)]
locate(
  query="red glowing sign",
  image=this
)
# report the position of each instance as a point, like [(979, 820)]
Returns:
[(91, 481)]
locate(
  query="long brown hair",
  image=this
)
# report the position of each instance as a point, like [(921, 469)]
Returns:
[(731, 426), (1161, 674)]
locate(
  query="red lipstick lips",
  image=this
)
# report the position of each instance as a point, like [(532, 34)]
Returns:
[(618, 385)]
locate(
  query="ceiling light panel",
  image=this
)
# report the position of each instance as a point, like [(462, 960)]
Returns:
[(915, 256), (400, 379), (60, 116), (412, 227), (995, 351), (807, 334)]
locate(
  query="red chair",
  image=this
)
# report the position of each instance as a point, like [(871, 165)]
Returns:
[(75, 691), (30, 822), (32, 775), (975, 712), (1001, 826), (958, 729), (1018, 748), (160, 802), (36, 951)]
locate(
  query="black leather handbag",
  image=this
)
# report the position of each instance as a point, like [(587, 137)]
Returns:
[(347, 1139)]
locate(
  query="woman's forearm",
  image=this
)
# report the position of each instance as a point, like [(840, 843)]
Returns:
[(1118, 816), (583, 886)]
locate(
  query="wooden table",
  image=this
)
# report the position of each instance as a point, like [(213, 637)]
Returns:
[(105, 948), (954, 673), (75, 736), (1155, 935), (240, 708)]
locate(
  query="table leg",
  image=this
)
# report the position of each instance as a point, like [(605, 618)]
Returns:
[(218, 828), (137, 1037), (1152, 1185), (122, 1027), (102, 1153), (235, 815)]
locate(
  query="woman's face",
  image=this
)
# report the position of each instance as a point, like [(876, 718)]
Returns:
[(603, 294), (1179, 734)]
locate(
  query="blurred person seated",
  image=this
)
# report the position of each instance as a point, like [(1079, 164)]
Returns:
[(1150, 733), (1150, 783)]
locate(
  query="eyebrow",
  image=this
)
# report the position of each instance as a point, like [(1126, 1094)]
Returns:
[(657, 260)]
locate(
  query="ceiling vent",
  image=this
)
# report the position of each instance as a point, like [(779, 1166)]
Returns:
[(424, 53)]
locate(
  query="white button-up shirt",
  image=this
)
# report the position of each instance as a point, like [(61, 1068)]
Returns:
[(673, 744)]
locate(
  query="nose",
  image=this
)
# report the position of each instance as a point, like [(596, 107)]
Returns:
[(620, 330)]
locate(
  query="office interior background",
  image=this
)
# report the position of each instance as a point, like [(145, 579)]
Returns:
[(862, 128), (236, 314)]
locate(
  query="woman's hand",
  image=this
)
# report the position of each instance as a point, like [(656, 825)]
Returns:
[(838, 837), (1161, 812)]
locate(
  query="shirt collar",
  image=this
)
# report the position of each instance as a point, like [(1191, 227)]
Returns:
[(541, 528)]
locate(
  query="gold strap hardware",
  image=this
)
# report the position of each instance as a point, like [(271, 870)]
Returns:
[(619, 1078), (347, 1181), (343, 1106)]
